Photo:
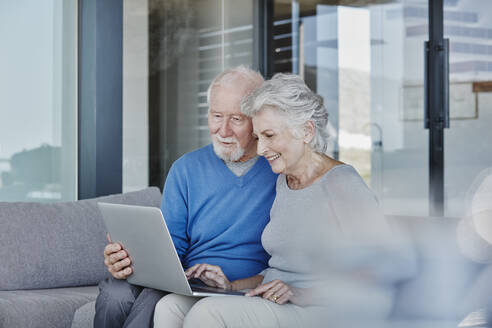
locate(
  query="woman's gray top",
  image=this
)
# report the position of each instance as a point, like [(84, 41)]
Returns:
[(333, 227)]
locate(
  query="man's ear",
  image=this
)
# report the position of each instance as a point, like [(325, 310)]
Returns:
[(309, 130)]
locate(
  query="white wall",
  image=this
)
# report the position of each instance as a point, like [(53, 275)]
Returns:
[(135, 95)]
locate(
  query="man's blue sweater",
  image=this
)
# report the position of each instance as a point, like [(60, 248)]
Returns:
[(216, 217)]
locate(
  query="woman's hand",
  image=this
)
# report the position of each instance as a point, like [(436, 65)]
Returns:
[(276, 291), (211, 275)]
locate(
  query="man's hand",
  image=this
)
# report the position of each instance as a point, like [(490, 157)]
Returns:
[(117, 260), (276, 291), (211, 275)]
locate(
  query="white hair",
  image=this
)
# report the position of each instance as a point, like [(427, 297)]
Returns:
[(251, 78), (288, 94)]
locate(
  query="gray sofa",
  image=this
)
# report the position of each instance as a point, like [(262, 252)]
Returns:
[(51, 262), (51, 259)]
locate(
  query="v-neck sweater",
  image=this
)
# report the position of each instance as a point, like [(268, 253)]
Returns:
[(216, 217), (332, 227)]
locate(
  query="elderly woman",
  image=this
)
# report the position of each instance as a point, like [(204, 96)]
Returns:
[(331, 249)]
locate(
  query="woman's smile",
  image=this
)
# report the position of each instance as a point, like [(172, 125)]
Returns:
[(271, 158)]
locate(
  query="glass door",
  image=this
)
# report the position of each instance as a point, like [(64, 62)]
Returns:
[(371, 75), (468, 153), (38, 101)]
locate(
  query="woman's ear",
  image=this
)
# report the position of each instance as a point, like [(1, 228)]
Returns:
[(309, 130)]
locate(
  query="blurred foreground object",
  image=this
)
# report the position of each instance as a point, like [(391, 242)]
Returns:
[(474, 234), (479, 318), (481, 206)]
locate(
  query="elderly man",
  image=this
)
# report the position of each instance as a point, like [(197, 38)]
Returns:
[(216, 202)]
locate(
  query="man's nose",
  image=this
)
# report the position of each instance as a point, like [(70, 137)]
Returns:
[(225, 129)]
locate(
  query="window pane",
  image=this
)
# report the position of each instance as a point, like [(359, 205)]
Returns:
[(371, 76), (38, 100), (400, 143), (190, 42), (467, 150)]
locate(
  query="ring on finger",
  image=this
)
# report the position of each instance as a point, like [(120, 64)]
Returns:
[(275, 298)]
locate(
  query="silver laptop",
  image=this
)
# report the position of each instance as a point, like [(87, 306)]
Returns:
[(143, 232)]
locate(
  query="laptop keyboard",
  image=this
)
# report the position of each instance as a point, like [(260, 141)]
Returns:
[(208, 289)]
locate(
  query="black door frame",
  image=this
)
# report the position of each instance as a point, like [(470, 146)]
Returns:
[(100, 72), (262, 37), (436, 103)]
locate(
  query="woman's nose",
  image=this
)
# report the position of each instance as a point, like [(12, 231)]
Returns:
[(260, 147)]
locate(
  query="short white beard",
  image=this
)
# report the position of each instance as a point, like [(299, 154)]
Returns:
[(224, 153)]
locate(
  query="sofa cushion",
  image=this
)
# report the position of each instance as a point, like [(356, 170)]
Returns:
[(43, 307), (84, 316), (58, 244)]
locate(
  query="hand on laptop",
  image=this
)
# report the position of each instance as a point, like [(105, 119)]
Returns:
[(211, 275), (117, 260)]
